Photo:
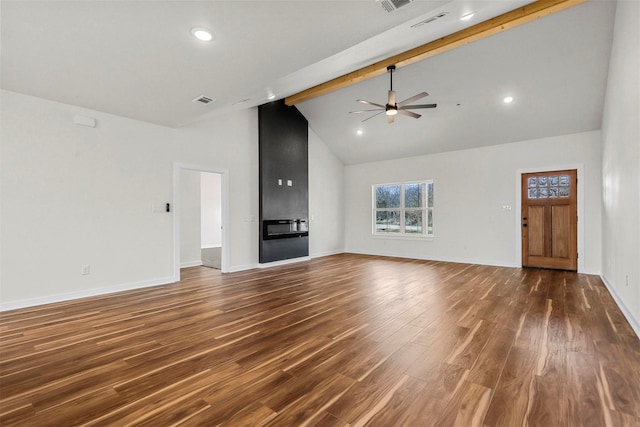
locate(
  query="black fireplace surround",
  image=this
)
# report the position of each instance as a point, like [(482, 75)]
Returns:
[(284, 183)]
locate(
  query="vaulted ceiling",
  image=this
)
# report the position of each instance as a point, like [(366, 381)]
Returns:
[(138, 59)]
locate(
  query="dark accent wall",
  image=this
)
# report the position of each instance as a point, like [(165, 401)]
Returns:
[(284, 155)]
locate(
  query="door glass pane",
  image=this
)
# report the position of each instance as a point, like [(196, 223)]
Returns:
[(413, 222), (387, 196), (563, 191), (564, 181), (413, 194), (543, 187), (388, 221)]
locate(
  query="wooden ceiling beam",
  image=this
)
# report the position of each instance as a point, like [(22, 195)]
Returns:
[(514, 18)]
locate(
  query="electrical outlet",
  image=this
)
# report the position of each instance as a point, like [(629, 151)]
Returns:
[(86, 270)]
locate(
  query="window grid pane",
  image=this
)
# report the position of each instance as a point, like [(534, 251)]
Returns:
[(413, 195), (388, 221), (387, 196), (413, 221)]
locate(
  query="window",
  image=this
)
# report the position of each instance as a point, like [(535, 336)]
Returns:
[(403, 209)]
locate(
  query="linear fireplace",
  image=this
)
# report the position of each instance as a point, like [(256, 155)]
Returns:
[(284, 228)]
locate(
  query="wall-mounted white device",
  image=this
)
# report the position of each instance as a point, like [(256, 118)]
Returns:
[(84, 121)]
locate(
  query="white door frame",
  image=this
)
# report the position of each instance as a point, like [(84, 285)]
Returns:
[(224, 175), (580, 174)]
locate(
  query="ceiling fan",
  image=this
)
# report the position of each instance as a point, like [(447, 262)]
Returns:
[(391, 109)]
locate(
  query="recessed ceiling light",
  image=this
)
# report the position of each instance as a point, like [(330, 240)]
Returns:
[(202, 34), (467, 16), (508, 99), (360, 132), (270, 97)]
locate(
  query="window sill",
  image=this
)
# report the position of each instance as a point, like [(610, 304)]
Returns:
[(402, 237)]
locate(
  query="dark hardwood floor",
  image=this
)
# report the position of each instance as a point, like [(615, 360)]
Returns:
[(341, 340)]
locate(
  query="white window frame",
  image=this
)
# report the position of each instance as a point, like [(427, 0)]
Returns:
[(402, 233)]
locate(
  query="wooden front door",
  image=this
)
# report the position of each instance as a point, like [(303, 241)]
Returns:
[(550, 220)]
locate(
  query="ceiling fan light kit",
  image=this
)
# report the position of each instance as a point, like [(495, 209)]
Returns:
[(391, 108)]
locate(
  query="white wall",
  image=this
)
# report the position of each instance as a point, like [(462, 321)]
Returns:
[(74, 196), (211, 210), (621, 164), (471, 187), (326, 199), (190, 212)]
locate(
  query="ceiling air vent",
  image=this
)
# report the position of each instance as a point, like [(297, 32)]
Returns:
[(391, 5), (431, 19), (203, 99)]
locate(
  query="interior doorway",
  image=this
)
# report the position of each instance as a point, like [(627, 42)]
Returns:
[(550, 219), (211, 219), (200, 218)]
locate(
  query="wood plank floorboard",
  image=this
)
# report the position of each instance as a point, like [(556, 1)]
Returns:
[(344, 340)]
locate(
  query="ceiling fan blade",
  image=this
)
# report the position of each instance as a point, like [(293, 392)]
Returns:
[(370, 103), (390, 119), (377, 114), (363, 111), (409, 113), (413, 98), (414, 107), (392, 97)]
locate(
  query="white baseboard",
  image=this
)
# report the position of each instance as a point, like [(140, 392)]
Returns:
[(194, 263), (431, 258), (239, 268), (328, 253), (31, 302), (591, 272), (284, 262), (635, 323)]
